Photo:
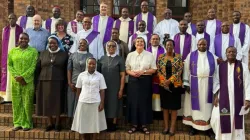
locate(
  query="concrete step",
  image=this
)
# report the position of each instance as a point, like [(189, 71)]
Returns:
[(6, 133)]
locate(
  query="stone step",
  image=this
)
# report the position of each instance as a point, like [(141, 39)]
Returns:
[(6, 119), (6, 133)]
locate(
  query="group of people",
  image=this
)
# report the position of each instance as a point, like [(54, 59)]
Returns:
[(83, 67)]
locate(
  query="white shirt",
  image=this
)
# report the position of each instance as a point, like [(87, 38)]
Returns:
[(189, 29), (90, 85), (78, 28), (29, 23), (95, 48), (145, 18), (53, 23), (124, 29), (167, 26), (211, 27), (139, 34), (143, 61)]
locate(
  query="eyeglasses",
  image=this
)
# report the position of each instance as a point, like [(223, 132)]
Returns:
[(111, 46)]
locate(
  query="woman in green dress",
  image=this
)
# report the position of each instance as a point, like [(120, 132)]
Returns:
[(21, 64)]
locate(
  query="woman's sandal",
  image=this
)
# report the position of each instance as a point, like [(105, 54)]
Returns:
[(132, 130), (145, 130)]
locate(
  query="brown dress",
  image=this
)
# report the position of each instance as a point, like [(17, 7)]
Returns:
[(51, 83)]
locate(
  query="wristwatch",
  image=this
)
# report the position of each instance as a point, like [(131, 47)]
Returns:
[(145, 71)]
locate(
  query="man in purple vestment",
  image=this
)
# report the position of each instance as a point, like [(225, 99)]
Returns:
[(213, 26), (10, 36), (26, 20), (191, 27), (231, 90), (75, 25), (200, 26), (49, 24)]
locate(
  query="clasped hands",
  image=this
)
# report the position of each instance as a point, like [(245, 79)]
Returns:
[(137, 73), (20, 80)]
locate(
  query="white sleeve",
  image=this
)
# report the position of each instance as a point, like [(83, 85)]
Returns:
[(75, 45), (239, 49), (129, 43), (194, 45), (157, 30), (18, 21), (211, 48), (114, 24), (216, 81), (43, 24), (246, 81), (102, 82), (245, 47), (211, 44), (100, 49), (79, 82), (186, 71), (154, 23), (135, 23), (69, 30)]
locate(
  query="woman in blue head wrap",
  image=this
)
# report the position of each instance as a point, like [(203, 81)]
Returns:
[(52, 67)]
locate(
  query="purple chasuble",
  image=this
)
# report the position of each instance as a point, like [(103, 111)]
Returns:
[(218, 26), (92, 36), (148, 39), (23, 21), (48, 24), (159, 52), (109, 26), (74, 26), (241, 33), (187, 45), (194, 79), (224, 102), (130, 26), (193, 28), (4, 57), (218, 44), (150, 21)]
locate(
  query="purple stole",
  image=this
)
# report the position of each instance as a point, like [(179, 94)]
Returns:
[(194, 79), (187, 45), (92, 36), (218, 26), (193, 28), (73, 26), (241, 33), (218, 44), (23, 21), (156, 82), (224, 103), (130, 26), (207, 38), (48, 24), (150, 22), (135, 36), (5, 42), (107, 34)]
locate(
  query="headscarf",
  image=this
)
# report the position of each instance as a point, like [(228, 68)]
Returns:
[(117, 48), (86, 65), (59, 42), (79, 45)]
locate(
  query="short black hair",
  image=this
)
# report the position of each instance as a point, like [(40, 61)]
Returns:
[(166, 40)]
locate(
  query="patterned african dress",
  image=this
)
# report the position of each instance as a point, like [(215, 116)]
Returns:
[(22, 62), (170, 69)]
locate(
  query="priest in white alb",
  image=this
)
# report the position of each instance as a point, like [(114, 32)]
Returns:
[(125, 25), (95, 45), (167, 27), (103, 23), (191, 26), (75, 25), (27, 20), (213, 26), (201, 33), (147, 16), (241, 30), (142, 32), (231, 90), (50, 23), (223, 40), (200, 66)]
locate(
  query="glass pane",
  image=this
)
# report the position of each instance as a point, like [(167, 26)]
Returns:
[(91, 6), (177, 3)]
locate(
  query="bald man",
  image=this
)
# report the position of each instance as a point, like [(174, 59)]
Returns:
[(191, 27), (27, 20), (93, 37), (224, 40), (125, 25), (167, 27), (213, 26), (148, 17), (103, 23), (38, 36), (50, 23)]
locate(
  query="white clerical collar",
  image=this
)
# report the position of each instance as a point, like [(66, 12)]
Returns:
[(127, 19), (142, 33), (112, 55), (82, 52), (58, 49)]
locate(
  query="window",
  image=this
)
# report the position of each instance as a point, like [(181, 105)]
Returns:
[(178, 7), (134, 6), (90, 7)]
